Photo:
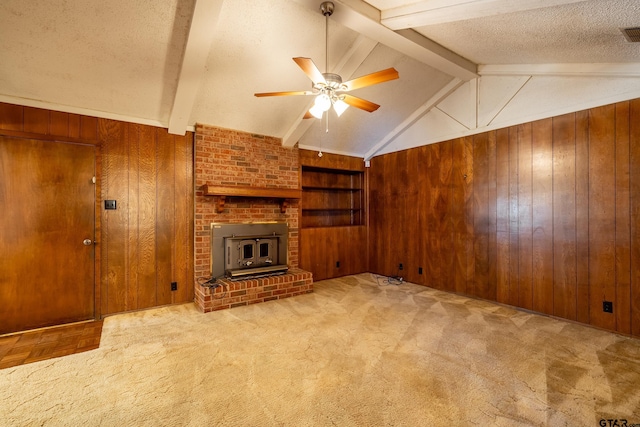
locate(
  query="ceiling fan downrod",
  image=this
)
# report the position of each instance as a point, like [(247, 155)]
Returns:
[(327, 10)]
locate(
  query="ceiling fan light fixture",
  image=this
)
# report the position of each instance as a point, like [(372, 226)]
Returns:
[(340, 106), (326, 87), (316, 112), (323, 102)]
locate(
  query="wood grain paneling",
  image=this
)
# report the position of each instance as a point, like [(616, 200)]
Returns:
[(392, 209), (564, 217), (634, 190), (622, 309), (514, 218), (132, 224), (36, 120), (469, 232), (150, 206), (184, 260), (59, 123), (525, 217), (503, 253), (11, 117), (602, 214), (115, 280), (582, 216), (457, 217), (413, 258), (444, 204), (543, 216), (149, 238), (489, 288), (331, 161), (377, 212), (427, 247), (542, 199), (481, 168), (37, 123), (322, 248)]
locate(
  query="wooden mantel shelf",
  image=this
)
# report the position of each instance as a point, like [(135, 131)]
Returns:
[(223, 192)]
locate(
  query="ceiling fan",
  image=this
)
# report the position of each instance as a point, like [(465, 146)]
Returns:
[(329, 88)]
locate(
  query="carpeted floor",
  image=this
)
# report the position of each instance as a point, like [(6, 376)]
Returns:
[(353, 353)]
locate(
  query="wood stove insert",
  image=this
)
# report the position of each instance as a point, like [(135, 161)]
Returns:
[(248, 249)]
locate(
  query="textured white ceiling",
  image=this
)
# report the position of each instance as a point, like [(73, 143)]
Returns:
[(586, 32), (125, 58), (116, 56)]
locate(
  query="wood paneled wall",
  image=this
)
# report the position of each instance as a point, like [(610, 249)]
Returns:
[(36, 123), (146, 243), (543, 216), (148, 240), (322, 247)]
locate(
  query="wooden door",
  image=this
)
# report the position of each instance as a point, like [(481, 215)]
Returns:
[(48, 209)]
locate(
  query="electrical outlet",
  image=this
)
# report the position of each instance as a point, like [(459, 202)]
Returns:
[(419, 270), (109, 204), (607, 306), (174, 286), (400, 266)]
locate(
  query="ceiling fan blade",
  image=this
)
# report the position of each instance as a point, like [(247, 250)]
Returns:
[(308, 115), (372, 79), (310, 69), (299, 92), (360, 103)]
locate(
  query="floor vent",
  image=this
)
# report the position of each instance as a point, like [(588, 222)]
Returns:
[(631, 34)]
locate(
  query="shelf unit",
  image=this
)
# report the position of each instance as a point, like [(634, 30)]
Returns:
[(332, 197)]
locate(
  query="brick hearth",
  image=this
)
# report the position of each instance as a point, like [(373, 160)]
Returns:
[(234, 158), (244, 292)]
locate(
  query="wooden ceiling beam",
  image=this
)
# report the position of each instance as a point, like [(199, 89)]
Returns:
[(366, 20), (203, 22)]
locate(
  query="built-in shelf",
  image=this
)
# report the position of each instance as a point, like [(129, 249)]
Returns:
[(332, 197), (223, 191)]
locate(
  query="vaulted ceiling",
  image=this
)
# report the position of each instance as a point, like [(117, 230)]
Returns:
[(175, 63)]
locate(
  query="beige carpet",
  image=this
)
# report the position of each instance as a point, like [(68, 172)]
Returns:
[(351, 354)]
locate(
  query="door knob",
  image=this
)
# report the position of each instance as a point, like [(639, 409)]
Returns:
[(87, 242)]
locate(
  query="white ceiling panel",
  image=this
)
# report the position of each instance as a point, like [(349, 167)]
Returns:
[(116, 56), (582, 32)]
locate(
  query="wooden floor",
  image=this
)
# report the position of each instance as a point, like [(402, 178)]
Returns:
[(48, 343)]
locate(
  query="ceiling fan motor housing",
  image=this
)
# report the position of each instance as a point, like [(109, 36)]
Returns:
[(333, 80), (333, 83)]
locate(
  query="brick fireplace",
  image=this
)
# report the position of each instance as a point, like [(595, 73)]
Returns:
[(232, 158)]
